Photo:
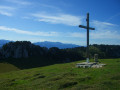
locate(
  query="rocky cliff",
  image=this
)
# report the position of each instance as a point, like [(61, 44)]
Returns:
[(20, 49)]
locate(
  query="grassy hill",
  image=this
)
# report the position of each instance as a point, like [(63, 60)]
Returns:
[(6, 67), (64, 76)]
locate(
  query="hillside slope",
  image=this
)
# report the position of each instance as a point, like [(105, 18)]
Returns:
[(6, 67), (64, 76)]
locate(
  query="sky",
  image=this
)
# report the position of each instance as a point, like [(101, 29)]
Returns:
[(58, 21)]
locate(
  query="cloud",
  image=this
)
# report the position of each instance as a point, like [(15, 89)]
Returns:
[(4, 28), (101, 24), (105, 35), (49, 7), (58, 19), (5, 13), (6, 10), (104, 30), (21, 2), (114, 16)]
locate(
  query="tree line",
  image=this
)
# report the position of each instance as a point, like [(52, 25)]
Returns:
[(24, 54)]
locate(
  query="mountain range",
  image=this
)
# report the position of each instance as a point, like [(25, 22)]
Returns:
[(2, 42), (47, 44)]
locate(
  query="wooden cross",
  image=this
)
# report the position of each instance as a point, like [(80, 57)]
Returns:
[(87, 27)]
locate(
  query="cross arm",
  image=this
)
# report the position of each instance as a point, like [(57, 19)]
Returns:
[(86, 27)]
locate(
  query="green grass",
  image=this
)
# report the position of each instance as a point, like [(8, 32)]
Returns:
[(64, 76), (6, 67)]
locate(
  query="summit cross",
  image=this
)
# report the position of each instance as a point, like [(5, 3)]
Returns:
[(87, 27)]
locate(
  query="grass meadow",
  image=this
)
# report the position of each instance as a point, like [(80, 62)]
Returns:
[(61, 77)]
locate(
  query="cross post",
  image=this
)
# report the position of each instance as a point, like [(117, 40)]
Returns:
[(87, 27)]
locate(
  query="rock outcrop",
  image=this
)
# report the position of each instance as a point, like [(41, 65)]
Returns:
[(21, 49)]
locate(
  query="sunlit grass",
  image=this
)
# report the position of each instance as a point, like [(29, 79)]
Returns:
[(64, 76)]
